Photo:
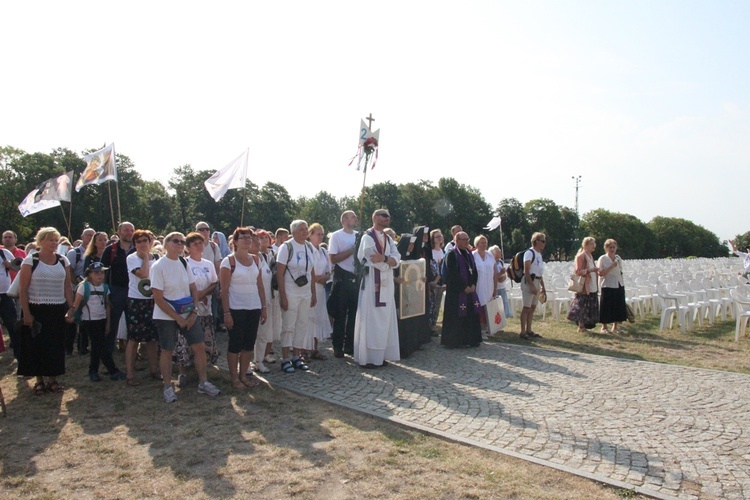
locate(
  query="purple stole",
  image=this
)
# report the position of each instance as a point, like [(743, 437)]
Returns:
[(464, 268), (374, 235)]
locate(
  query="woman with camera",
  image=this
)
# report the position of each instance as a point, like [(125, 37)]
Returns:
[(295, 273)]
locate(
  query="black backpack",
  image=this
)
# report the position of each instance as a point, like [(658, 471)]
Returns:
[(515, 268)]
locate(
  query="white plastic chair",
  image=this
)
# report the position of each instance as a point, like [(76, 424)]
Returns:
[(668, 312), (742, 308)]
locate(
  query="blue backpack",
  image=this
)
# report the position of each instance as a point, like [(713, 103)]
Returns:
[(78, 315)]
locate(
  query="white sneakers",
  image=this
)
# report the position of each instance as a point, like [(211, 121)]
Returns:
[(207, 387), (204, 387), (169, 395)]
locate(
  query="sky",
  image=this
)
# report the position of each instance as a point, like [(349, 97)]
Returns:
[(647, 101)]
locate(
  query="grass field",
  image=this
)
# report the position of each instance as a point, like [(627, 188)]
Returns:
[(109, 440)]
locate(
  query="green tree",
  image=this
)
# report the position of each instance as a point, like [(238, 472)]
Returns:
[(463, 205), (635, 240), (272, 208), (515, 228), (544, 215), (322, 208), (677, 237)]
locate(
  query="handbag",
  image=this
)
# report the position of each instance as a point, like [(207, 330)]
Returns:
[(630, 314), (575, 283), (13, 288), (496, 320)]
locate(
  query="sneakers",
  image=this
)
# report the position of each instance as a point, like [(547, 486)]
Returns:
[(269, 359), (261, 368), (207, 387), (169, 395), (181, 380)]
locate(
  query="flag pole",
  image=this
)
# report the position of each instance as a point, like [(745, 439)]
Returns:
[(65, 219), (117, 193), (362, 195), (244, 189), (70, 215), (242, 215), (111, 211)]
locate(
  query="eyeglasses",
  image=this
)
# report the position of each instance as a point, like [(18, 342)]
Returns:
[(542, 241), (179, 242), (203, 229), (143, 240), (387, 216)]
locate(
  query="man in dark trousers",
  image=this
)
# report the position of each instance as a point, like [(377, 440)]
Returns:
[(342, 304), (114, 257)]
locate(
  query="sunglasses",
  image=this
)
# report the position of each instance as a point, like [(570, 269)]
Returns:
[(179, 242), (204, 229), (387, 216)]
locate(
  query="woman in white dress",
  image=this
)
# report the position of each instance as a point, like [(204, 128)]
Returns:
[(486, 276), (270, 330), (320, 325)]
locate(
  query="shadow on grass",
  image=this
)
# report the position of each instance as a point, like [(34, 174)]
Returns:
[(32, 425)]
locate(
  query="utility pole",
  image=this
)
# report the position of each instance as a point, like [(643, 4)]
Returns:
[(577, 178)]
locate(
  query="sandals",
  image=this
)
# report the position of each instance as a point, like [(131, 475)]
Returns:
[(317, 355), (237, 384), (54, 387), (299, 364), (249, 383), (132, 382), (286, 366), (39, 389)]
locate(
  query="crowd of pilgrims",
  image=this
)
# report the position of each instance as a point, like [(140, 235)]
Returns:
[(276, 295)]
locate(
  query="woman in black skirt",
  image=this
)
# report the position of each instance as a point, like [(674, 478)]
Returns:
[(45, 295), (585, 308), (612, 309)]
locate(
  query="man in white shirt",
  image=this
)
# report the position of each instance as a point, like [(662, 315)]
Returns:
[(211, 251), (452, 243), (76, 255), (745, 256), (532, 283), (342, 303)]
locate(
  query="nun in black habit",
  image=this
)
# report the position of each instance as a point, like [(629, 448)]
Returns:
[(414, 331)]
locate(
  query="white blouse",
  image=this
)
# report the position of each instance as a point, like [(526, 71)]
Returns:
[(47, 285)]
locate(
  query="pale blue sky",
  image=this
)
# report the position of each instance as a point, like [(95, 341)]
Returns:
[(647, 100)]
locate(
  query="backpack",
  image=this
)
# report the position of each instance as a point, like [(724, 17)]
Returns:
[(515, 268), (78, 315)]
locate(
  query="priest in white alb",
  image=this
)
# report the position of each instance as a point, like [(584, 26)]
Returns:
[(376, 326)]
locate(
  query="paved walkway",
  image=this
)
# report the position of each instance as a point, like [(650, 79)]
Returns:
[(665, 430)]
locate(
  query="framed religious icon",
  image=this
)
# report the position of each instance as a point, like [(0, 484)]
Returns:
[(412, 288)]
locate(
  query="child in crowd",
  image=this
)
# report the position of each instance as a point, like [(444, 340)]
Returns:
[(91, 309)]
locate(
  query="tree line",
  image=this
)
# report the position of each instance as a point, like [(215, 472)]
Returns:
[(184, 201)]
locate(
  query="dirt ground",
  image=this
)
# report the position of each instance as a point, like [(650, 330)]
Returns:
[(108, 440)]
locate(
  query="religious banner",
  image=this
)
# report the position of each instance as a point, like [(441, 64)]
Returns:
[(412, 288), (369, 142), (57, 188), (28, 206), (100, 167), (232, 176)]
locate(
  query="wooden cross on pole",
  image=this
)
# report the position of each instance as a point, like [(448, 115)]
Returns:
[(370, 119)]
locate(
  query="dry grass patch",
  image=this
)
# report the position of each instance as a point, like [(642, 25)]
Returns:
[(711, 347), (109, 440)]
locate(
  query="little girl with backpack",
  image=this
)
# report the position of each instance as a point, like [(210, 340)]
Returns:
[(91, 311)]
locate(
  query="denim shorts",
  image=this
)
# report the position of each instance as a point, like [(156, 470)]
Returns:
[(168, 328)]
